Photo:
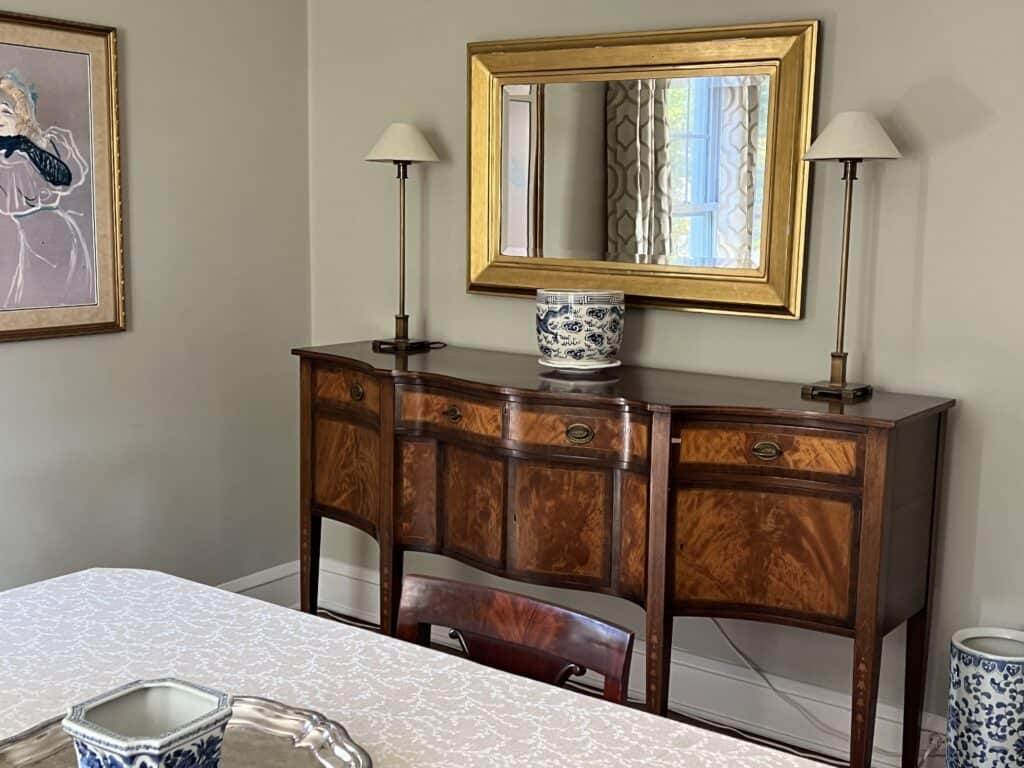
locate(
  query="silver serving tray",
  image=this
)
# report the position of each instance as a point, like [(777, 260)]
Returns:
[(261, 733)]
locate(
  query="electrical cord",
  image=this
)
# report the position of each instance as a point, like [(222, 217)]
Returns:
[(937, 741), (806, 713)]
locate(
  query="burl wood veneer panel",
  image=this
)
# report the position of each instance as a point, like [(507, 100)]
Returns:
[(416, 521), (561, 522), (473, 505), (766, 550), (346, 387), (632, 576), (810, 451), (621, 433), (346, 467), (435, 409)]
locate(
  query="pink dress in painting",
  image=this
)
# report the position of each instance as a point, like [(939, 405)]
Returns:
[(50, 263)]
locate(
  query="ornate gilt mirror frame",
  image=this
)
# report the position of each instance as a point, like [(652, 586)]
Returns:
[(785, 52)]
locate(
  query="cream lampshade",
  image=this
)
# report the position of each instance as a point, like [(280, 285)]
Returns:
[(850, 138), (853, 136), (403, 145)]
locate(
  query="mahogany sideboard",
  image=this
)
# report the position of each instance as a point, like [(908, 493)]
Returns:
[(688, 494)]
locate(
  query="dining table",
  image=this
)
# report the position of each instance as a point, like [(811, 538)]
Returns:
[(69, 638)]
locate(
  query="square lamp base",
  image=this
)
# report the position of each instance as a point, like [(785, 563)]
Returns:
[(843, 393), (407, 346)]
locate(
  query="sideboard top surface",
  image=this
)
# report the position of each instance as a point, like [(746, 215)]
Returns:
[(627, 385)]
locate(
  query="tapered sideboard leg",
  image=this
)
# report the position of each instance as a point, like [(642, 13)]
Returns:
[(659, 657), (913, 687), (659, 568), (391, 571), (867, 660), (309, 560), (919, 627), (309, 523)]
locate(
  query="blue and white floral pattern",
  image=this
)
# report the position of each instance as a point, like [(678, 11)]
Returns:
[(581, 326), (986, 711), (204, 753)]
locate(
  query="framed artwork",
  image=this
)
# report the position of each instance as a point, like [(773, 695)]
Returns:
[(61, 244)]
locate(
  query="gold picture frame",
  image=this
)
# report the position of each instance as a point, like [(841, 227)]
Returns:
[(785, 51), (61, 226)]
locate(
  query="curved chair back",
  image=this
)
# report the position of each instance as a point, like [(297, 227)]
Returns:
[(516, 633)]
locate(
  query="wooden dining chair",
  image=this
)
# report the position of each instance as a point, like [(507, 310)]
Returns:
[(517, 634)]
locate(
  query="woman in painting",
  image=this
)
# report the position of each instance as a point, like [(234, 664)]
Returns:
[(51, 265)]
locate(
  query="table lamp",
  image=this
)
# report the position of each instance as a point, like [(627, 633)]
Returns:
[(403, 145), (850, 138)]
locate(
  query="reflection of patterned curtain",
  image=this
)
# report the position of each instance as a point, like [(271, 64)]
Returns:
[(639, 172), (737, 160)]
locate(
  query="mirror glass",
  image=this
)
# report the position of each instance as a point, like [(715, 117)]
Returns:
[(667, 171)]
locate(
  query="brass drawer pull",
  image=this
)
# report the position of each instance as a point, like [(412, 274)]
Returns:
[(454, 414), (579, 434), (766, 450), (357, 392)]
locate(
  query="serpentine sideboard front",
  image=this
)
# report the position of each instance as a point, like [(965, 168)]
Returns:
[(688, 494)]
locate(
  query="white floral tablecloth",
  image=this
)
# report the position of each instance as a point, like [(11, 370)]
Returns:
[(69, 638)]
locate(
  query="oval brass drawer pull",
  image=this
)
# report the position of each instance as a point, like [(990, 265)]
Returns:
[(579, 434), (357, 392), (766, 450), (454, 413)]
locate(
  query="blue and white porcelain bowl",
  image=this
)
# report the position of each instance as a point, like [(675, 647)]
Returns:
[(986, 699), (150, 724), (580, 330)]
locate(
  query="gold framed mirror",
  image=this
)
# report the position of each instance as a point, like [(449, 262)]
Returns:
[(664, 164)]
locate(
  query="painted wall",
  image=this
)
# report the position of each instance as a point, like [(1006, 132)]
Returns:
[(174, 446), (936, 271)]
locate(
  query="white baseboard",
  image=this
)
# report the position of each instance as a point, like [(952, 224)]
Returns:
[(724, 693), (279, 584)]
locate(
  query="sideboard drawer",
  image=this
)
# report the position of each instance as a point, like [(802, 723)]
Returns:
[(620, 432), (770, 448), (343, 386), (440, 409), (769, 552)]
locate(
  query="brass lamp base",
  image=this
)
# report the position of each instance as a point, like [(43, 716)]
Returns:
[(402, 343), (837, 388), (826, 390), (405, 345)]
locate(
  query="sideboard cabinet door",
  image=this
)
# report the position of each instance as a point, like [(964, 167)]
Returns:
[(771, 553), (473, 503), (561, 523)]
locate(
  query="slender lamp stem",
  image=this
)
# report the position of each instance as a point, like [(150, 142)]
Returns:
[(849, 176), (838, 369), (401, 319)]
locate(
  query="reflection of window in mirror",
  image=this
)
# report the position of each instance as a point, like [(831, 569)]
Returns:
[(521, 191), (648, 171), (716, 151)]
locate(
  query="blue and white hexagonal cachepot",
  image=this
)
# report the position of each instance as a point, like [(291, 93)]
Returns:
[(162, 723), (580, 329), (986, 699)]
